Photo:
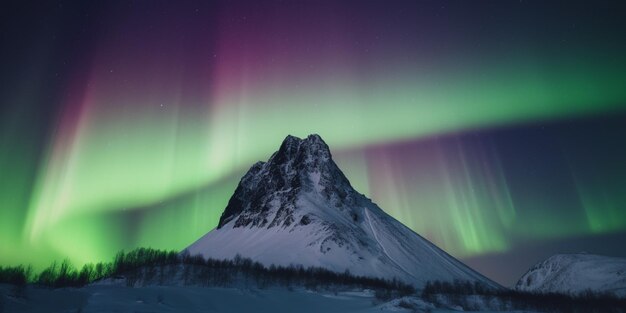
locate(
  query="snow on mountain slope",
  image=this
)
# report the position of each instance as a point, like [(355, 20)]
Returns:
[(574, 273), (299, 208)]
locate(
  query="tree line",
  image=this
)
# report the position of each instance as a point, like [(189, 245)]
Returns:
[(144, 266), (467, 294)]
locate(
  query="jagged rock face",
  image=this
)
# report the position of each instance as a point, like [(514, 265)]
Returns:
[(266, 195), (298, 208)]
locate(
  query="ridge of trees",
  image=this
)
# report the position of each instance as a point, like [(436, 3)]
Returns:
[(152, 266), (145, 266), (464, 293)]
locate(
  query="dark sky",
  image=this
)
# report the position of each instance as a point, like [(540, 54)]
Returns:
[(495, 129)]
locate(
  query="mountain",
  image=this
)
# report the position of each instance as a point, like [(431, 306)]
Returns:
[(574, 273), (299, 208)]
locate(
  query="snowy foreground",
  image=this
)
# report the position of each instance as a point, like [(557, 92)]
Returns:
[(115, 298)]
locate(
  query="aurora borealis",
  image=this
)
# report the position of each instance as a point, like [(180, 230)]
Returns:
[(494, 129)]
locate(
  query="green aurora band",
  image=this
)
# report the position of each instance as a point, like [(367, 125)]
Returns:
[(145, 149), (184, 166)]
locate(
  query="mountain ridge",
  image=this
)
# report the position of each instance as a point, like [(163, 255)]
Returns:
[(308, 154), (299, 208)]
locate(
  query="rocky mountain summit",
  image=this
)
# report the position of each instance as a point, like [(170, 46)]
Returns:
[(299, 208)]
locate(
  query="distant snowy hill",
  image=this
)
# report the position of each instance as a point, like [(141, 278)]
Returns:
[(299, 208), (574, 273)]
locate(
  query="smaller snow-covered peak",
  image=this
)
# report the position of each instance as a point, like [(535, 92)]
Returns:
[(575, 273)]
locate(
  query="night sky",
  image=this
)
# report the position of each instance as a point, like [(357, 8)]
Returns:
[(495, 129)]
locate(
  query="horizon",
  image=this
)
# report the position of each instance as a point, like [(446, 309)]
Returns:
[(493, 130)]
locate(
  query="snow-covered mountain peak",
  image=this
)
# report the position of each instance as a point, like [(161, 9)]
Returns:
[(296, 155), (266, 195), (313, 145), (296, 149), (299, 208)]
